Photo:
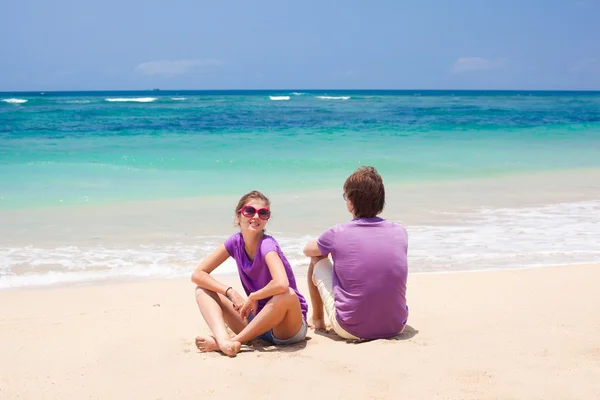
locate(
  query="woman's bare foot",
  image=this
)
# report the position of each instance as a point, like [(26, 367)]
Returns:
[(209, 343), (206, 343), (229, 347), (317, 323)]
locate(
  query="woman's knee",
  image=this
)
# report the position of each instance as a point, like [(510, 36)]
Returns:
[(282, 298), (202, 293), (198, 289)]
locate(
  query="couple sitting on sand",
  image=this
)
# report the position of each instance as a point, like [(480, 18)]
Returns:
[(363, 292)]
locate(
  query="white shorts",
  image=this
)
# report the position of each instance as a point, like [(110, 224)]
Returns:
[(323, 279)]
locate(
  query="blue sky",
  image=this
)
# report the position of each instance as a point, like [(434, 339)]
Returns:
[(375, 44)]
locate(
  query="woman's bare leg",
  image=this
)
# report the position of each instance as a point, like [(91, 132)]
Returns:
[(282, 314), (218, 313), (318, 318)]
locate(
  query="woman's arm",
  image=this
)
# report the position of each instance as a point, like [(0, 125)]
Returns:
[(201, 275), (279, 283)]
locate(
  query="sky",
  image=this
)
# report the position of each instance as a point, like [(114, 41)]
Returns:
[(274, 44)]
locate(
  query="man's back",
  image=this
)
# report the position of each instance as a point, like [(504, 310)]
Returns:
[(369, 279)]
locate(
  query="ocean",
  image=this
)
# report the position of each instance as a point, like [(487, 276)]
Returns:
[(98, 186)]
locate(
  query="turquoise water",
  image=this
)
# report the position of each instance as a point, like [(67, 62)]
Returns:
[(107, 150), (101, 147)]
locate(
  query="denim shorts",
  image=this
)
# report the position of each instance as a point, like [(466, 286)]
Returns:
[(269, 337)]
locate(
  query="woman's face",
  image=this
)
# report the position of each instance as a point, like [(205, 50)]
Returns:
[(253, 216)]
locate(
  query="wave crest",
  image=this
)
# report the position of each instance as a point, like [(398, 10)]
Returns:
[(15, 101), (279, 98), (131, 99), (333, 97)]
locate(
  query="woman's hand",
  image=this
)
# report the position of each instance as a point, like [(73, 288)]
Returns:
[(236, 299), (249, 305)]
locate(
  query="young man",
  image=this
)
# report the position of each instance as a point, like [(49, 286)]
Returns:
[(364, 291)]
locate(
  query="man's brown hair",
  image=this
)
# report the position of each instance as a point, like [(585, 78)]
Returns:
[(364, 188)]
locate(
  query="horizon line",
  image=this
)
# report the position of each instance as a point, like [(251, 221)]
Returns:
[(158, 90)]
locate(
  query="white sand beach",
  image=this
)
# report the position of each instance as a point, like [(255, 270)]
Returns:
[(514, 334)]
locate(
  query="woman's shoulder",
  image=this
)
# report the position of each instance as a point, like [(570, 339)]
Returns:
[(269, 241), (236, 236), (269, 244), (233, 241)]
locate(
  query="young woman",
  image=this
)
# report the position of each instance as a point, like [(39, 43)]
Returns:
[(274, 310)]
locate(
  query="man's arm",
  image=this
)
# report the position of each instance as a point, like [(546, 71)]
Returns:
[(312, 249)]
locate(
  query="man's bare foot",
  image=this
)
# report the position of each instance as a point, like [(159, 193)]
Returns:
[(209, 343), (206, 343), (317, 323)]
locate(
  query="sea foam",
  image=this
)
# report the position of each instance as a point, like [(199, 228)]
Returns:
[(564, 233), (15, 101), (279, 98), (30, 265), (333, 97), (500, 238), (132, 99)]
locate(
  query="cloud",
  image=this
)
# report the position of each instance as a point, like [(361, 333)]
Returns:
[(582, 3), (344, 74), (173, 67), (587, 64), (467, 64)]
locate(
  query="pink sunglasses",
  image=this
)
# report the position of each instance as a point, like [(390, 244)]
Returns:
[(249, 212)]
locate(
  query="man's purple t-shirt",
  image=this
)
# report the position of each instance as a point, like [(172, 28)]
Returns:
[(369, 276), (255, 274)]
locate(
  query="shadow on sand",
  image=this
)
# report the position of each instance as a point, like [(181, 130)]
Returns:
[(408, 333), (261, 346), (265, 347)]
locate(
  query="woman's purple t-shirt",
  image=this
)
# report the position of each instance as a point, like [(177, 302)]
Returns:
[(255, 274), (369, 276)]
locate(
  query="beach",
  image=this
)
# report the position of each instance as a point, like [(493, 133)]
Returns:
[(531, 333), (136, 139), (109, 200)]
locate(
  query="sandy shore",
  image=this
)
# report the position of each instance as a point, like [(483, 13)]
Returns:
[(526, 334)]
